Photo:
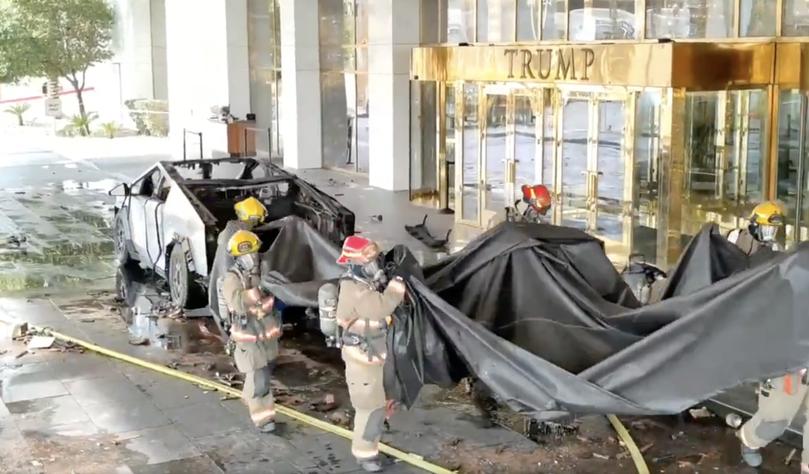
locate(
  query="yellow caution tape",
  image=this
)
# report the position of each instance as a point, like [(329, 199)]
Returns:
[(623, 433), (410, 458)]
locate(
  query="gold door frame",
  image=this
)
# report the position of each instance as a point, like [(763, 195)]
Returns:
[(594, 98), (769, 64)]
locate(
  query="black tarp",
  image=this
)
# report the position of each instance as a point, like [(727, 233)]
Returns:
[(539, 315), (298, 262)]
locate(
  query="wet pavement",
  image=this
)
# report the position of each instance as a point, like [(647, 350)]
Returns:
[(55, 214), (66, 410)]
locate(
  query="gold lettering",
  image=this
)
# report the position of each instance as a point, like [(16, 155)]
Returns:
[(545, 59), (589, 59), (511, 53), (565, 67), (526, 64)]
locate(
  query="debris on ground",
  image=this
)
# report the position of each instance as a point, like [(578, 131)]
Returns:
[(327, 404), (87, 320), (697, 413), (138, 341), (601, 456), (376, 218), (41, 342), (14, 241), (340, 418), (790, 456)]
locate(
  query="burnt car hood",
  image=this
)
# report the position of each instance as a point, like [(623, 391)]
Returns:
[(540, 315)]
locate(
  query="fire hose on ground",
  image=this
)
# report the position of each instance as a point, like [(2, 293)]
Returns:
[(410, 458)]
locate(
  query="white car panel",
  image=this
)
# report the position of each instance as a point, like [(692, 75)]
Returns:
[(137, 226), (180, 219), (154, 242)]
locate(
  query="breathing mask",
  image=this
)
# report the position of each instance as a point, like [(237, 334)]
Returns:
[(767, 233), (248, 262), (371, 271)]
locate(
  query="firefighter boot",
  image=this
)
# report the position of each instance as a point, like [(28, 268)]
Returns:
[(751, 457), (371, 465)]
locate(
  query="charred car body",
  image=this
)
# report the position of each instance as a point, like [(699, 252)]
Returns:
[(168, 219)]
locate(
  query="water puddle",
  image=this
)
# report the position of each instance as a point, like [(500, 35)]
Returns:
[(153, 320)]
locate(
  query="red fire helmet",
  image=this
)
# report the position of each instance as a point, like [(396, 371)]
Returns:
[(537, 195)]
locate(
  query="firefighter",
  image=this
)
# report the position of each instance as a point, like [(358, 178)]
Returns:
[(254, 327), (782, 398), (364, 308), (250, 213), (767, 218), (538, 201)]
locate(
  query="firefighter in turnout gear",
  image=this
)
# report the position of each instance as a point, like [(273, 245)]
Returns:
[(538, 202), (364, 307), (250, 212), (779, 399), (767, 218), (254, 327)]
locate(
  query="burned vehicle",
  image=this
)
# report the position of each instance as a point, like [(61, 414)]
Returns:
[(168, 219)]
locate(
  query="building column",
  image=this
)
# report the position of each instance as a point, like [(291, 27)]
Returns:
[(207, 65), (393, 30), (300, 79)]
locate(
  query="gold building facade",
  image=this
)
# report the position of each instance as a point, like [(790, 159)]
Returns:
[(646, 118)]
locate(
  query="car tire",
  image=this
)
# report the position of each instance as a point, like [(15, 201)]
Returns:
[(120, 240), (185, 292)]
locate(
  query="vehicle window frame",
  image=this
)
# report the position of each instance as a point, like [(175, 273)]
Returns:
[(161, 191), (137, 187)]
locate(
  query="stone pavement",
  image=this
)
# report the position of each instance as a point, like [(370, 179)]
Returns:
[(81, 412)]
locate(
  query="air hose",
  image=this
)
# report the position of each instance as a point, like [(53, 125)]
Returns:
[(623, 433), (410, 458)]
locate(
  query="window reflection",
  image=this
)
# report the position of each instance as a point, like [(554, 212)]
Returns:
[(460, 21), (605, 19), (725, 149), (423, 128), (646, 175), (495, 21), (757, 18), (689, 18), (793, 166), (796, 18), (361, 109), (470, 167), (343, 37), (553, 19), (528, 13)]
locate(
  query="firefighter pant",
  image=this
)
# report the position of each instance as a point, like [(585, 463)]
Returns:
[(252, 359), (777, 407), (367, 392)]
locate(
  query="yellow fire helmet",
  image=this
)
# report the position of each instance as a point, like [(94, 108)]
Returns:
[(768, 213), (251, 211), (243, 242)]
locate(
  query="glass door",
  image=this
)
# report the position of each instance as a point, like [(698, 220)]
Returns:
[(612, 189), (596, 169), (495, 153), (574, 205), (468, 160), (793, 164), (527, 152)]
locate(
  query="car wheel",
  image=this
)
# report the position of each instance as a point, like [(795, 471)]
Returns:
[(120, 241), (185, 293)]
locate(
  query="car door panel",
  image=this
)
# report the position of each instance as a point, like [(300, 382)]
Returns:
[(153, 239), (137, 223)]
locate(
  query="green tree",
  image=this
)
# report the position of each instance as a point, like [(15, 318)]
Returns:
[(47, 38), (19, 112)]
